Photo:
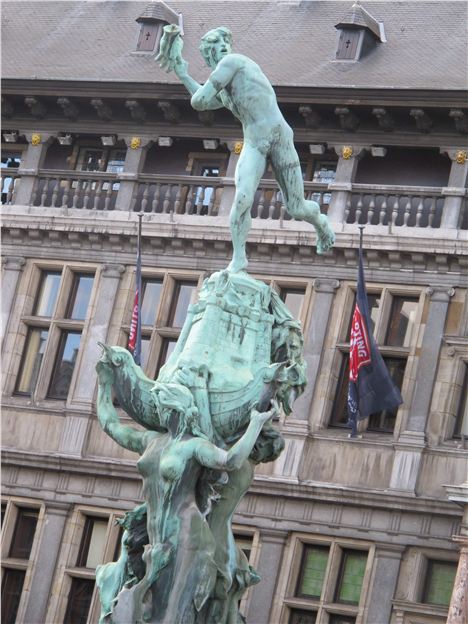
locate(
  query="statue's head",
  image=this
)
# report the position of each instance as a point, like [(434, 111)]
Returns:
[(215, 44), (115, 357)]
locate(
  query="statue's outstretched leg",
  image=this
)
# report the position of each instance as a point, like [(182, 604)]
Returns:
[(249, 171), (287, 168)]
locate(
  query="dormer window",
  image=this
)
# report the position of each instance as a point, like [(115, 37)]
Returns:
[(155, 16), (358, 33)]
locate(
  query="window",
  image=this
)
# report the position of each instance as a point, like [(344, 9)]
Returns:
[(439, 581), (205, 194), (461, 423), (23, 536), (92, 542), (79, 601), (10, 162), (348, 43), (149, 36), (324, 173), (21, 523), (313, 567), (329, 583), (353, 566), (394, 319), (53, 334), (164, 306), (98, 540), (294, 299), (299, 616)]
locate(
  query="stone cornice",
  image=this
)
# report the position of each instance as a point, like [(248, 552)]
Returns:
[(301, 94), (71, 234), (262, 486)]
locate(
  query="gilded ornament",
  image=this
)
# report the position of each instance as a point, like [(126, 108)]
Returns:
[(461, 157), (238, 147), (347, 152), (36, 139), (135, 143)]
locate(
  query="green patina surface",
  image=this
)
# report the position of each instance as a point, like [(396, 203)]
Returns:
[(206, 421)]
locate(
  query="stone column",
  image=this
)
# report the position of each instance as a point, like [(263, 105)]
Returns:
[(227, 199), (384, 581), (345, 173), (272, 543), (44, 569), (137, 149), (81, 398), (31, 162), (314, 341), (12, 267), (459, 602), (412, 441), (456, 188)]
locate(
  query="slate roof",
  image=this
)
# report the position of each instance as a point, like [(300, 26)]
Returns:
[(293, 41)]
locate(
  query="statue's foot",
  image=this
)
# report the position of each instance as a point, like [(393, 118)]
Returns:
[(237, 265), (325, 235)]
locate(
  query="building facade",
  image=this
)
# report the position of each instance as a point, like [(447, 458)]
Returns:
[(341, 530)]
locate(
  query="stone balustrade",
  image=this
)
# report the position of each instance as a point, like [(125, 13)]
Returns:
[(372, 204), (366, 204)]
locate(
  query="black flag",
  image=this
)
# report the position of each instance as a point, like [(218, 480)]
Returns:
[(371, 389)]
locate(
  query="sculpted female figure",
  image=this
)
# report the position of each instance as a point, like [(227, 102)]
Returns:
[(180, 563)]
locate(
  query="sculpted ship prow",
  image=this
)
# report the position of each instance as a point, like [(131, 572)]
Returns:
[(207, 420)]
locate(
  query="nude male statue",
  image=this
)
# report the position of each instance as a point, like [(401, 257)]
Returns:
[(239, 84)]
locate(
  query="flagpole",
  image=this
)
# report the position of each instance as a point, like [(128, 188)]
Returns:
[(137, 354), (134, 338)]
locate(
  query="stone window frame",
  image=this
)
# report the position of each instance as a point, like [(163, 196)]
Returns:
[(66, 568), (55, 324), (249, 532), (159, 330), (280, 284), (339, 345), (416, 573), (456, 348), (13, 505), (292, 560)]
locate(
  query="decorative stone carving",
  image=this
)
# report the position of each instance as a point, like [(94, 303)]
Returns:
[(137, 111), (348, 119), (103, 110), (37, 107), (69, 108)]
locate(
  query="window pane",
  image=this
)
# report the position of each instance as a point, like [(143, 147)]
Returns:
[(314, 564), (244, 542), (12, 586), (402, 321), (23, 535), (92, 543), (145, 345), (299, 616), (440, 578), (341, 619), (151, 295), (339, 417), (80, 296), (64, 365), (79, 601), (293, 298), (182, 296), (385, 421), (48, 291), (31, 360), (166, 350), (461, 424), (353, 566)]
